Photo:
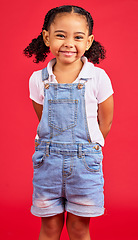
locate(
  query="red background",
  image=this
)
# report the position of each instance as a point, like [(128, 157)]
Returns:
[(116, 28)]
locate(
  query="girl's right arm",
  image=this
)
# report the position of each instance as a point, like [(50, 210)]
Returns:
[(38, 109), (105, 115)]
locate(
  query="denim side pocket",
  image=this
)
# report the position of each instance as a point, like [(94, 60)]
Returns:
[(38, 159), (92, 161)]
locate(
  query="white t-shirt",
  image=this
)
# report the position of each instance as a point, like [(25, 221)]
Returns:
[(97, 89)]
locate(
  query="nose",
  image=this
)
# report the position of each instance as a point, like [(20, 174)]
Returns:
[(68, 44)]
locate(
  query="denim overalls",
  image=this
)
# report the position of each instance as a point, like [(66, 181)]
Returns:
[(67, 165)]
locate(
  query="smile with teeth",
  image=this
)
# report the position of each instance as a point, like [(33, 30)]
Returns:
[(67, 53)]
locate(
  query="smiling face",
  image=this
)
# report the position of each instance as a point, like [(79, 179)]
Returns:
[(68, 37)]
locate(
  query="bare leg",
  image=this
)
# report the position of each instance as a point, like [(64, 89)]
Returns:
[(78, 227), (51, 227)]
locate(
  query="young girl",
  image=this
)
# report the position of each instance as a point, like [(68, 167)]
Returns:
[(73, 101)]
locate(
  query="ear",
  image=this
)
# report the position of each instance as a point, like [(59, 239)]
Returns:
[(46, 37), (89, 42)]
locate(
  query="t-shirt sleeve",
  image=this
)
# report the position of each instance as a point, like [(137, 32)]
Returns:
[(35, 90), (105, 89)]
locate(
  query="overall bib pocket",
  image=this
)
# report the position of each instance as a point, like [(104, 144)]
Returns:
[(38, 159), (62, 113)]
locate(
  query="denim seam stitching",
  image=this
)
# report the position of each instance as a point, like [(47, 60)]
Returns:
[(50, 111), (87, 167), (39, 164), (85, 117), (71, 167)]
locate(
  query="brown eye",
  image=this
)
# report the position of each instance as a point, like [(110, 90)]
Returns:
[(79, 37), (60, 35)]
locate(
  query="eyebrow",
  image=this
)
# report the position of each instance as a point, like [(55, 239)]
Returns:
[(65, 32), (59, 31), (80, 33)]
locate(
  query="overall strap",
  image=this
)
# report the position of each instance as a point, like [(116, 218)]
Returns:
[(45, 74)]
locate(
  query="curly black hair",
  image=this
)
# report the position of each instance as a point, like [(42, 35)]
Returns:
[(38, 48)]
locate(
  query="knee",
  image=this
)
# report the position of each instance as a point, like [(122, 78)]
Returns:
[(78, 229), (52, 226)]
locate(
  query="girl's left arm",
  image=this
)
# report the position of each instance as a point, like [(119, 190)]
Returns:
[(105, 115)]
